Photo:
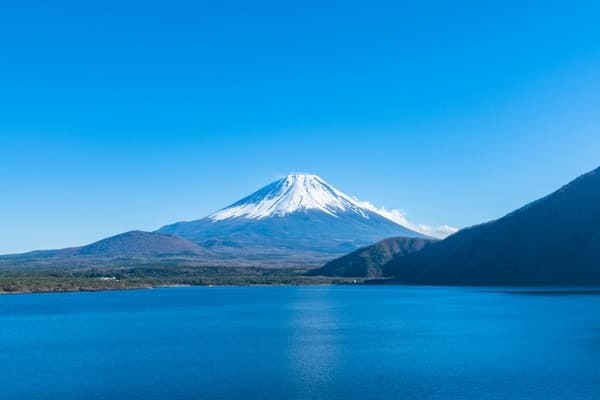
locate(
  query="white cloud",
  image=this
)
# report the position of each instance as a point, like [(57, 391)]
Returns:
[(399, 217)]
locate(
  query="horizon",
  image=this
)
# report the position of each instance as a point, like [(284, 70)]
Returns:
[(122, 117)]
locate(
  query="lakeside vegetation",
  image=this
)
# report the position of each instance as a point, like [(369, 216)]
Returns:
[(65, 279)]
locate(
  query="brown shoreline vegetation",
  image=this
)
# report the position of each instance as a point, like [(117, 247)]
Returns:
[(68, 279)]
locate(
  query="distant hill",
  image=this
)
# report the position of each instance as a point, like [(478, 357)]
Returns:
[(134, 244), (552, 241), (368, 261), (139, 243), (152, 248)]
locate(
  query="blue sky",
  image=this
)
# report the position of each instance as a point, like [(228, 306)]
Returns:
[(120, 115)]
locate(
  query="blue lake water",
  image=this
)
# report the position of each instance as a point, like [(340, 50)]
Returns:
[(329, 342)]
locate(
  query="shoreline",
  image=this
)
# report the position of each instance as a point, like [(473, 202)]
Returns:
[(117, 289), (147, 286), (551, 291), (91, 279)]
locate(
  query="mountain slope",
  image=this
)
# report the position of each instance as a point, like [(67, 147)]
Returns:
[(295, 193), (299, 213), (368, 261), (134, 244), (139, 243), (297, 221), (552, 241)]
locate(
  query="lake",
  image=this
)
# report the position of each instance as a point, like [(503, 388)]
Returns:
[(320, 342)]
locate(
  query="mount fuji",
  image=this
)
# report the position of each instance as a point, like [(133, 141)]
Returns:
[(296, 217), (297, 221)]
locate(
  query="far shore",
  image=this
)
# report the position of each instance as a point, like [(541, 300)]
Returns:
[(90, 279)]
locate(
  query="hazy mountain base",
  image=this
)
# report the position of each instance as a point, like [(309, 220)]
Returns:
[(31, 279), (302, 232), (137, 247)]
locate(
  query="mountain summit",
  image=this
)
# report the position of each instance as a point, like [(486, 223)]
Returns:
[(294, 193), (298, 217)]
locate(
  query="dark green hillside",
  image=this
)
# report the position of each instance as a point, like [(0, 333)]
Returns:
[(552, 241), (368, 261)]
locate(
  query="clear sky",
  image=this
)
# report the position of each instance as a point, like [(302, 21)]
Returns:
[(120, 115)]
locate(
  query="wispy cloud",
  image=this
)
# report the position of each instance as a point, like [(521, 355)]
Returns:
[(399, 217)]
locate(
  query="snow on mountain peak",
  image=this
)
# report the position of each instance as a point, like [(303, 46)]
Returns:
[(309, 192), (294, 193)]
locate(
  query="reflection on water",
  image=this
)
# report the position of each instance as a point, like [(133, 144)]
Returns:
[(312, 352)]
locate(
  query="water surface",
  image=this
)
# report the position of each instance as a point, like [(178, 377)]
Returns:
[(330, 342)]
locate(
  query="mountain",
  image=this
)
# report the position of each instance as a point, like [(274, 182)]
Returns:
[(134, 244), (368, 262), (300, 215), (139, 243), (552, 241), (297, 221)]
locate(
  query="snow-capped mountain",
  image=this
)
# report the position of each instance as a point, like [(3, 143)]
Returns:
[(297, 215), (294, 193)]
